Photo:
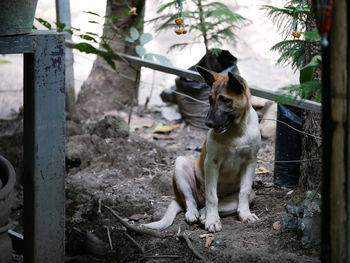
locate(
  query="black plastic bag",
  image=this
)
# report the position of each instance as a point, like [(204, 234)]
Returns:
[(287, 148)]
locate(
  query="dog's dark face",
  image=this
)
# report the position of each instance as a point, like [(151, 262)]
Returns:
[(229, 99)]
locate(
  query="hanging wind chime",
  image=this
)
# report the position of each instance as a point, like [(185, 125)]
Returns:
[(323, 12), (179, 21)]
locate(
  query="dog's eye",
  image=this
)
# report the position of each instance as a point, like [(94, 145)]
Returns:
[(226, 100)]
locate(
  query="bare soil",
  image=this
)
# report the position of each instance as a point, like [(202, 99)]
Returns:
[(130, 171), (132, 174)]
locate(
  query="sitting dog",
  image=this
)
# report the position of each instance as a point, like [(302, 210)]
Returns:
[(220, 181)]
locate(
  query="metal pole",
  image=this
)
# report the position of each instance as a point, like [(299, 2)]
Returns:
[(63, 16)]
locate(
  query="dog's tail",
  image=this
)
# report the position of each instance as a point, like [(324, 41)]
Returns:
[(168, 218)]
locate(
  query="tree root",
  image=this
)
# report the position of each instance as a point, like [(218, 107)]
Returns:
[(192, 248), (133, 228)]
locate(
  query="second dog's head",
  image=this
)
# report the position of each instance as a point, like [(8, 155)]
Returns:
[(229, 99)]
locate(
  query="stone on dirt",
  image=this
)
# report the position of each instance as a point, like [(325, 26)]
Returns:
[(267, 126), (306, 220)]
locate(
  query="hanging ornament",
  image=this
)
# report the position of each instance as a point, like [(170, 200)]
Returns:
[(323, 12), (179, 21), (132, 11)]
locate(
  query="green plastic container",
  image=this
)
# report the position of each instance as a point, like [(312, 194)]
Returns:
[(17, 16)]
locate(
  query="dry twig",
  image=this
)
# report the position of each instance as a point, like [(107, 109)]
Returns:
[(139, 247), (192, 248), (109, 238), (132, 228)]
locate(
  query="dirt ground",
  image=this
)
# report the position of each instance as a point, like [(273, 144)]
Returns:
[(131, 173)]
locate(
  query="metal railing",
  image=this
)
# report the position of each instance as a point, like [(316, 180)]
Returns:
[(259, 92)]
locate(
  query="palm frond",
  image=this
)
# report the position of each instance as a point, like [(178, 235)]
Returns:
[(292, 53), (290, 94)]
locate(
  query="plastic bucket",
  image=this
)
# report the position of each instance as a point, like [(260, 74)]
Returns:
[(17, 16)]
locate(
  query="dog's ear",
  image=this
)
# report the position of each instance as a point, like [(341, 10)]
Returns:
[(236, 83), (207, 75)]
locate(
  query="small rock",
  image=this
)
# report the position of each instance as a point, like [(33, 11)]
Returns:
[(306, 219), (290, 192), (292, 210), (289, 223), (276, 225), (170, 114), (268, 126), (258, 103)]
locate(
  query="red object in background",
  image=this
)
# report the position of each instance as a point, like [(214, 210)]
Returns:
[(323, 12)]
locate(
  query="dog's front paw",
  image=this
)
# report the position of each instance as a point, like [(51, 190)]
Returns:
[(213, 224), (192, 216), (202, 215), (247, 217)]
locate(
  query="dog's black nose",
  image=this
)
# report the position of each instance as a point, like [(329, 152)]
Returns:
[(209, 123)]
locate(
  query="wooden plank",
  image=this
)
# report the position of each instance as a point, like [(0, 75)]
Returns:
[(259, 92), (335, 138)]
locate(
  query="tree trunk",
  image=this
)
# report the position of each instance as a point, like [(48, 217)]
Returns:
[(310, 171), (105, 90)]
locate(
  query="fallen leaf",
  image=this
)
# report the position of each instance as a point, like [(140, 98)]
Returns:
[(262, 170), (208, 240), (160, 128), (276, 225), (205, 235)]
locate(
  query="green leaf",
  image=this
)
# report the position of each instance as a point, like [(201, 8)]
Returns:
[(141, 51), (69, 31), (86, 48), (162, 60), (44, 23), (312, 35), (113, 17), (165, 6), (128, 39), (75, 28), (134, 33), (291, 52), (4, 61), (34, 27), (60, 26), (307, 72), (148, 56), (87, 37), (289, 94), (92, 13), (145, 38), (91, 34), (93, 22)]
